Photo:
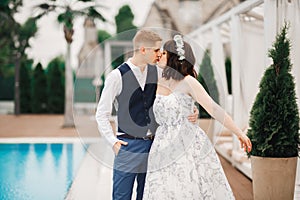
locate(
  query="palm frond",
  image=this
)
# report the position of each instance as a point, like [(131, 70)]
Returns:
[(46, 6), (93, 13), (66, 18), (77, 13)]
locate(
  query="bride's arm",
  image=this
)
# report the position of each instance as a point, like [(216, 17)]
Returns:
[(197, 91)]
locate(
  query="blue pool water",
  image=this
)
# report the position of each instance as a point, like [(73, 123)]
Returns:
[(38, 171)]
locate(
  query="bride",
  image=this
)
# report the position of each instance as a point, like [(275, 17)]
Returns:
[(182, 162)]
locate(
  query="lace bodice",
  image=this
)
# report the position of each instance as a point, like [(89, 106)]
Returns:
[(173, 109)]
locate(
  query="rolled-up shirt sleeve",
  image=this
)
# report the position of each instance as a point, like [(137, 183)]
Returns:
[(112, 88)]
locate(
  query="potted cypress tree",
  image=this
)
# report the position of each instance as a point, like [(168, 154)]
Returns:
[(274, 127)]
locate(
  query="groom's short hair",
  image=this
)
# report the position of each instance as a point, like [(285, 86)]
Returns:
[(146, 38)]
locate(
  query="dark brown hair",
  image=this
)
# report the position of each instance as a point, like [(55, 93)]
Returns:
[(178, 69)]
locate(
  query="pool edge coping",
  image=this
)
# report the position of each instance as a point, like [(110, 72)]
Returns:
[(48, 140)]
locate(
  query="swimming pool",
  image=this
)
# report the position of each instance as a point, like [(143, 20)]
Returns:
[(36, 171)]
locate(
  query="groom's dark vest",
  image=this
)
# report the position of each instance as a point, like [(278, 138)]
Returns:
[(135, 112)]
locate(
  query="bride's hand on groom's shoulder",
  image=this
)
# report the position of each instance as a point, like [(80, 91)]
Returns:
[(117, 146)]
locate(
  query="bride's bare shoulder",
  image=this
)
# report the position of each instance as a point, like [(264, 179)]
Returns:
[(189, 78), (191, 81)]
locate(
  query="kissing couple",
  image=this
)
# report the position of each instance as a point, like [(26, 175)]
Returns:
[(158, 143)]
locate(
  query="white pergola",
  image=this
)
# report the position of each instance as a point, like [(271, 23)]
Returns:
[(245, 33)]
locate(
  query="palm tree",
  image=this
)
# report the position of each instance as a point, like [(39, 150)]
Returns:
[(68, 11), (14, 40)]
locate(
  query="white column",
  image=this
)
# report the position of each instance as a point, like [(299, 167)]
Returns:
[(107, 58), (99, 62), (99, 70), (218, 62), (236, 40), (292, 15), (252, 64), (270, 24)]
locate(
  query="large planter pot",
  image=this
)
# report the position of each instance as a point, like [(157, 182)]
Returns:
[(273, 178)]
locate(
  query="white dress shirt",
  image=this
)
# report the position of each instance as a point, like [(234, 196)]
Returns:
[(112, 88)]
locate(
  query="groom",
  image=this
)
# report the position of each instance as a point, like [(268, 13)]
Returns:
[(133, 85)]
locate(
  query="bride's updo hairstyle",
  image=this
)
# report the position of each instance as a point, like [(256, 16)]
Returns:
[(180, 59)]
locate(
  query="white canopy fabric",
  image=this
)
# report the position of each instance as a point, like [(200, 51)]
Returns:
[(247, 72), (247, 54), (253, 28)]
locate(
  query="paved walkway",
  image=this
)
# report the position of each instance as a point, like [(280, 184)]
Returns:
[(94, 178), (46, 126), (34, 126)]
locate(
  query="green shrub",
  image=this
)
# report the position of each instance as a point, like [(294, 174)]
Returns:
[(39, 90), (228, 74), (274, 120), (25, 87), (207, 80), (56, 89)]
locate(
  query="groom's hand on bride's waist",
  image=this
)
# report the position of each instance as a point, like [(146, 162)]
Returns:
[(193, 117), (117, 146)]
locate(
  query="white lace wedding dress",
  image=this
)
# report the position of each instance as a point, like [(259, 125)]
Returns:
[(183, 164)]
